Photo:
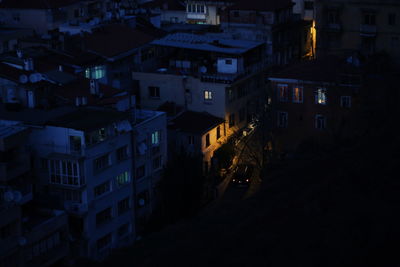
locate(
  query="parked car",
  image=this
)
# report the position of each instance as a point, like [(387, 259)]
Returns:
[(242, 174)]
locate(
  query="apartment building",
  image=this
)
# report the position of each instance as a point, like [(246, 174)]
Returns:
[(205, 74), (315, 102), (367, 27), (29, 235)]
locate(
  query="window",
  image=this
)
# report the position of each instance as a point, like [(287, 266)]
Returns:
[(190, 139), (102, 162), (395, 41), (231, 95), (320, 96), (369, 19), (218, 132), (308, 5), (123, 206), (65, 172), (96, 136), (236, 14), (297, 95), (75, 143), (142, 198), (228, 61), (103, 242), (207, 140), (242, 114), (207, 95), (345, 101), (241, 92), (157, 163), (392, 19), (123, 179), (231, 120), (140, 171), (123, 230), (103, 216), (96, 72), (70, 195), (282, 119), (122, 153), (283, 92), (102, 189), (333, 17), (16, 17), (320, 122), (155, 137), (154, 92)]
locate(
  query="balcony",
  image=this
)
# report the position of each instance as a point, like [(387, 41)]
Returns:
[(12, 169), (76, 208), (368, 30)]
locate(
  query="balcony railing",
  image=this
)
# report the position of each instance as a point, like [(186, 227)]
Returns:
[(368, 30)]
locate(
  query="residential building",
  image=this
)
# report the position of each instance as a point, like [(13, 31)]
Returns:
[(171, 11), (197, 134), (83, 159), (304, 8), (315, 102), (205, 74), (30, 235), (366, 27)]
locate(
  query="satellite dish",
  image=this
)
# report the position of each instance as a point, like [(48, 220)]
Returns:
[(35, 77), (203, 69), (8, 196), (23, 78), (17, 196)]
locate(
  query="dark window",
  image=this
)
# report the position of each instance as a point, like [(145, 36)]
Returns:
[(207, 140), (101, 162), (190, 139), (282, 119), (320, 122), (231, 120), (157, 163), (369, 19), (102, 189), (218, 132), (241, 92), (122, 153), (392, 19), (103, 216), (142, 198), (308, 5), (236, 14), (123, 206), (333, 17), (123, 230), (104, 242), (140, 171), (228, 61), (154, 92)]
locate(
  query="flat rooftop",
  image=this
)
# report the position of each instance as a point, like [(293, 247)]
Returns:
[(206, 43)]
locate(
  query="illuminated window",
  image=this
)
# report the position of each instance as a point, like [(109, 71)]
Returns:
[(345, 101), (297, 95), (155, 137), (96, 72), (320, 96), (282, 119), (207, 95), (123, 179), (320, 122), (283, 92)]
